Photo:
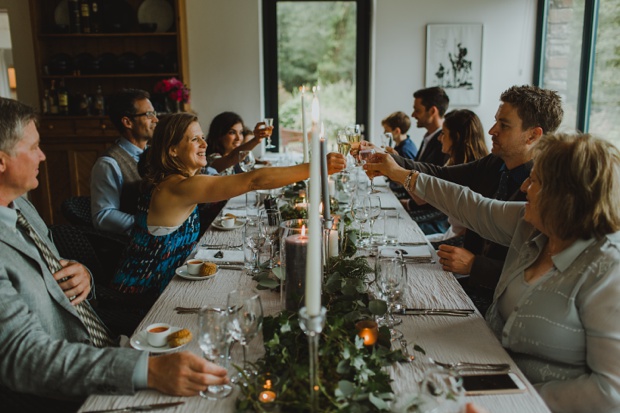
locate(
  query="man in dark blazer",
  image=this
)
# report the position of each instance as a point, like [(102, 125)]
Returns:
[(46, 348), (429, 107)]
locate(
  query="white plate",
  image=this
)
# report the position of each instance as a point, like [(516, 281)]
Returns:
[(139, 342), (156, 11), (182, 272), (218, 224)]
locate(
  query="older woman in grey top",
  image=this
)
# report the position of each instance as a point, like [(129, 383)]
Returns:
[(556, 308)]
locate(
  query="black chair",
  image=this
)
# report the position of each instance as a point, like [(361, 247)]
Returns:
[(76, 210), (120, 312)]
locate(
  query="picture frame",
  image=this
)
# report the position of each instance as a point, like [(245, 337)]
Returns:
[(454, 61)]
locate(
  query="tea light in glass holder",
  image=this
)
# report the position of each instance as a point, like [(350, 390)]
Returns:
[(368, 330), (267, 388)]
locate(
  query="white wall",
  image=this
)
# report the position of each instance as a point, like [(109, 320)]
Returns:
[(225, 57), (398, 66)]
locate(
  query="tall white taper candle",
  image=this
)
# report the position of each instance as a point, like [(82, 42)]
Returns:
[(304, 128)]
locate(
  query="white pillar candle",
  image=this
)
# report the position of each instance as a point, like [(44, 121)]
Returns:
[(303, 125), (333, 243), (314, 261)]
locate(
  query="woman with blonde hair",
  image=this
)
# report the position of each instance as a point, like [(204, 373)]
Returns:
[(556, 306), (167, 225)]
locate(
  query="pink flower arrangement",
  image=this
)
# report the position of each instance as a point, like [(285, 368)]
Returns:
[(174, 89)]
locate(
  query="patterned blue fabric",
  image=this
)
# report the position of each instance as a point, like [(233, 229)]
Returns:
[(149, 262)]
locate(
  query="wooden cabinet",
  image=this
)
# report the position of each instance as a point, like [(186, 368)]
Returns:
[(124, 53)]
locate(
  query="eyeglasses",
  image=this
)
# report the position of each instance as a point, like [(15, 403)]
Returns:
[(149, 115)]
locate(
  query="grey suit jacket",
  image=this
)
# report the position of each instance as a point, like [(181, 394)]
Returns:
[(44, 347)]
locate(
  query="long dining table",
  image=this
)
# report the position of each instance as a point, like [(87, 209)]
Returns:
[(444, 338)]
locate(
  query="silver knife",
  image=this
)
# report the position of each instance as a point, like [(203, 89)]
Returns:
[(436, 311), (143, 408)]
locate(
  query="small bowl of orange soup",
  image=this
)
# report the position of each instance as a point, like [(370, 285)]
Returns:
[(156, 334)]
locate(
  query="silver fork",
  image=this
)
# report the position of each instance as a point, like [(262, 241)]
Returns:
[(463, 365)]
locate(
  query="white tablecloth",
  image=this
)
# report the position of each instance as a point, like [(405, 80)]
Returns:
[(447, 339)]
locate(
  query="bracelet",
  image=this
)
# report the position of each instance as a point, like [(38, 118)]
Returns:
[(407, 184)]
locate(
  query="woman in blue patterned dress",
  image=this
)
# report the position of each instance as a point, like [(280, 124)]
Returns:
[(167, 225)]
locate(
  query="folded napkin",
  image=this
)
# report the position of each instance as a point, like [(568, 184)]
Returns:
[(418, 252), (229, 255)]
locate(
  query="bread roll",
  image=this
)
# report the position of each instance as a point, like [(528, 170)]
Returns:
[(208, 268), (179, 338), (229, 215)]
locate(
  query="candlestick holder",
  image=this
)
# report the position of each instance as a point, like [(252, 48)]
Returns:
[(312, 325)]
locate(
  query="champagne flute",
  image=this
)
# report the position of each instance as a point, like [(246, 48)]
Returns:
[(359, 211), (270, 220), (354, 135), (245, 320), (246, 161), (389, 273), (269, 124), (373, 205), (255, 240), (365, 157), (214, 339)]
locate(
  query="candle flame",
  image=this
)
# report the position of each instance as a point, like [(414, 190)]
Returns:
[(267, 384), (303, 230)]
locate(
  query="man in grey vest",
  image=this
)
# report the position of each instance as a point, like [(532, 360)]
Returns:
[(114, 183)]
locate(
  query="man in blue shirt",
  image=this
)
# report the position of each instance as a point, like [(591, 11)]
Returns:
[(114, 184), (398, 124)]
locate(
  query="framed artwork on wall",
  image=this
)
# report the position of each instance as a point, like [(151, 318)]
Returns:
[(454, 61)]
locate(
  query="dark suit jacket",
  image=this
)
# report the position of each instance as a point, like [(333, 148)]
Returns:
[(44, 347), (483, 177), (431, 152)]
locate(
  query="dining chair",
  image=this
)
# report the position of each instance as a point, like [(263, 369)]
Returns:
[(76, 210)]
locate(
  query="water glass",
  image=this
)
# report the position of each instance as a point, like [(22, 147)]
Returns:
[(246, 160), (252, 205), (254, 240), (245, 320), (214, 339), (391, 228)]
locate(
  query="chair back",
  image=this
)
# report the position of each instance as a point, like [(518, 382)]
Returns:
[(76, 210)]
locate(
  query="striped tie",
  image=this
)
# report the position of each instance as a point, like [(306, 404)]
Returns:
[(97, 331)]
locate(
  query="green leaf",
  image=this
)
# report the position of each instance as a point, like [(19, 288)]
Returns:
[(419, 349), (377, 307), (378, 402), (268, 284), (278, 273), (346, 387)]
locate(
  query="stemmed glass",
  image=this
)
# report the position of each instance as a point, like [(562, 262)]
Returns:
[(270, 220), (269, 124), (359, 211), (441, 391), (389, 272), (386, 139), (245, 320), (246, 160), (344, 146), (373, 205), (354, 135), (365, 157), (255, 240), (214, 339)]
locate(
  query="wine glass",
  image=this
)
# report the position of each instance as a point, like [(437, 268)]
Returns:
[(365, 157), (246, 160), (386, 139), (373, 205), (441, 391), (359, 212), (270, 220), (214, 339), (354, 135), (245, 320), (254, 239), (389, 273), (269, 124)]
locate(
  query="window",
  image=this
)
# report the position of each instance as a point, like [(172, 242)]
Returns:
[(309, 43), (579, 57)]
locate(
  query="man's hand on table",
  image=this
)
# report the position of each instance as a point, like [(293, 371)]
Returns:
[(76, 284), (455, 259), (183, 374)]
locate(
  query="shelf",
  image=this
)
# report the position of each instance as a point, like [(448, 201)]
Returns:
[(103, 35), (110, 75)]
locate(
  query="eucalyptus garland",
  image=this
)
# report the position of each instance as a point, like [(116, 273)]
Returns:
[(352, 377)]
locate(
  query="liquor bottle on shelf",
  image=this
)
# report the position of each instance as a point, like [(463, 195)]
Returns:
[(53, 103), (74, 16), (99, 104), (45, 103), (84, 105), (95, 16), (85, 16), (63, 98)]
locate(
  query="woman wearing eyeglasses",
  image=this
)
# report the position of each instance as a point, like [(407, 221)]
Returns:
[(166, 228), (114, 177), (225, 140)]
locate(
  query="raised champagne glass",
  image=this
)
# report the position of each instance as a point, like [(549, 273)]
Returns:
[(269, 124), (365, 157)]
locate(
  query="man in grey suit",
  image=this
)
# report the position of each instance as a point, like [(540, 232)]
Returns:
[(46, 343)]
